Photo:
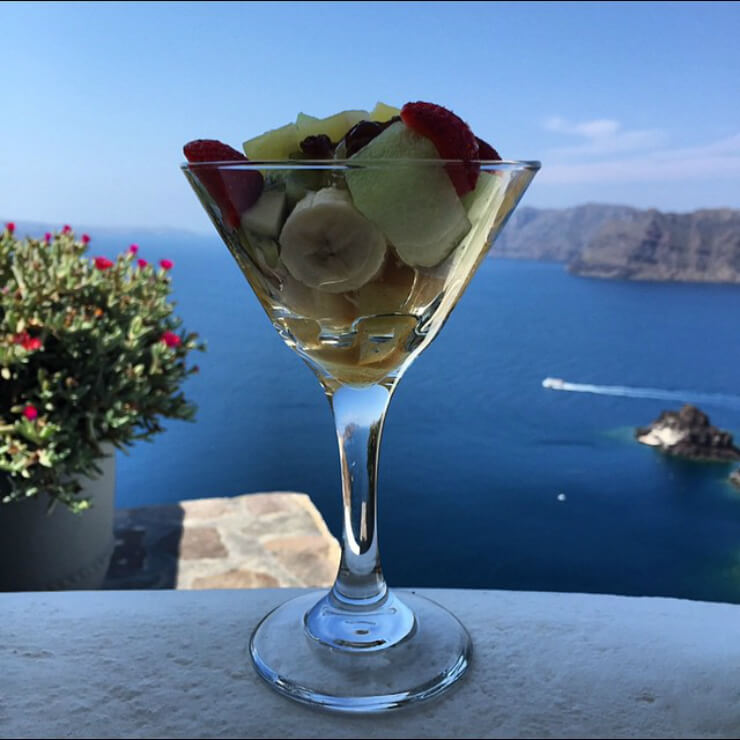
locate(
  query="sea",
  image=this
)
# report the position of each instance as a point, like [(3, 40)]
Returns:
[(487, 478)]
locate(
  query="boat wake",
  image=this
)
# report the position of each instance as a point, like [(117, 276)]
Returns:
[(724, 400)]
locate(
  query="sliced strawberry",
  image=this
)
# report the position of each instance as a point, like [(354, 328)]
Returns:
[(211, 150), (451, 136), (486, 150), (234, 190)]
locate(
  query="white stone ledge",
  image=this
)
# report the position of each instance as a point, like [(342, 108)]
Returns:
[(131, 664)]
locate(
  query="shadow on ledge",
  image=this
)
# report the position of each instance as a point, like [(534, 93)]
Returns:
[(258, 540), (147, 548)]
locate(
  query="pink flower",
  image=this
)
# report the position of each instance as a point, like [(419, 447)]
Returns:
[(30, 412), (27, 341), (67, 228), (142, 263), (166, 264), (133, 249), (47, 237), (103, 263), (85, 239), (171, 339), (10, 226), (32, 344)]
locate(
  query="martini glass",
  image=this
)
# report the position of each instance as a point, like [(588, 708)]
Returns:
[(361, 647)]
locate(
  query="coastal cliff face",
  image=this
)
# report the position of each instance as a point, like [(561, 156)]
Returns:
[(555, 234), (627, 243)]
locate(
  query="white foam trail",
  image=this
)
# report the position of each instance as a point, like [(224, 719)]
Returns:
[(695, 397)]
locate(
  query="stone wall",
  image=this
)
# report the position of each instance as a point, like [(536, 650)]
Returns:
[(259, 540)]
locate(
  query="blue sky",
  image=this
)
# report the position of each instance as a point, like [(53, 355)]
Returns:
[(635, 103)]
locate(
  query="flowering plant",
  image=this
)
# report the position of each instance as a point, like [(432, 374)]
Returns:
[(90, 352)]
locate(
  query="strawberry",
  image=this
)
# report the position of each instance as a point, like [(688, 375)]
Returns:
[(451, 136), (486, 150), (233, 190), (211, 150)]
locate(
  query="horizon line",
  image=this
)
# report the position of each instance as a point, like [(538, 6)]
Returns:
[(47, 223)]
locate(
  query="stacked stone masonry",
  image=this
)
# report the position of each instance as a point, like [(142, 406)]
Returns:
[(262, 540)]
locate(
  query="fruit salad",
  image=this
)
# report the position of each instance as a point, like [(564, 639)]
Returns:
[(359, 231)]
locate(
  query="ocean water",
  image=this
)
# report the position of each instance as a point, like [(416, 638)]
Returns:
[(487, 479)]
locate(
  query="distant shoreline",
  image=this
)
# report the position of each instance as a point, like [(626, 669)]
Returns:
[(601, 278), (624, 243), (606, 242)]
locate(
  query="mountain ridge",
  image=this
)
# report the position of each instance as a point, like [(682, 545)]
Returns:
[(624, 242)]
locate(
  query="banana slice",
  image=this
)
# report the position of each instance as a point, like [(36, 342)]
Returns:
[(327, 244), (388, 293), (332, 310)]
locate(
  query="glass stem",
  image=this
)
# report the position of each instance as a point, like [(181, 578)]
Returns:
[(359, 414)]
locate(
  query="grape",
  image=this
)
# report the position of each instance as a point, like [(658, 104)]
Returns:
[(317, 147), (363, 133)]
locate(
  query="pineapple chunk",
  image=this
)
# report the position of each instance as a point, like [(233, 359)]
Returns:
[(279, 143), (335, 127), (382, 112)]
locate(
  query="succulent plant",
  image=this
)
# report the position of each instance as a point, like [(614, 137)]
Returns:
[(91, 352)]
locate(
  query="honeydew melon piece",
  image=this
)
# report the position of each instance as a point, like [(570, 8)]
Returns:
[(487, 195), (266, 216), (335, 127), (279, 143), (416, 207), (299, 183), (382, 112)]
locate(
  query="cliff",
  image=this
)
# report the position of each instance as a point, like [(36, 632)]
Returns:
[(621, 242)]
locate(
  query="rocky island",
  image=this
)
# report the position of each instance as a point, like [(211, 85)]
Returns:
[(735, 477), (689, 433), (621, 242)]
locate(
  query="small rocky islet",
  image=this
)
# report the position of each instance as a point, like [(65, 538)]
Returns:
[(688, 433)]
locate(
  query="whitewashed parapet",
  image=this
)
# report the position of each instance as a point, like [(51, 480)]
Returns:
[(173, 664)]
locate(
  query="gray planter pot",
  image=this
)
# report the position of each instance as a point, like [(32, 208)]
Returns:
[(40, 552)]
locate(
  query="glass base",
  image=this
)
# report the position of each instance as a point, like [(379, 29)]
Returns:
[(434, 655)]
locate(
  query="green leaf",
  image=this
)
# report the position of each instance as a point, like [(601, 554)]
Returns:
[(102, 374)]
